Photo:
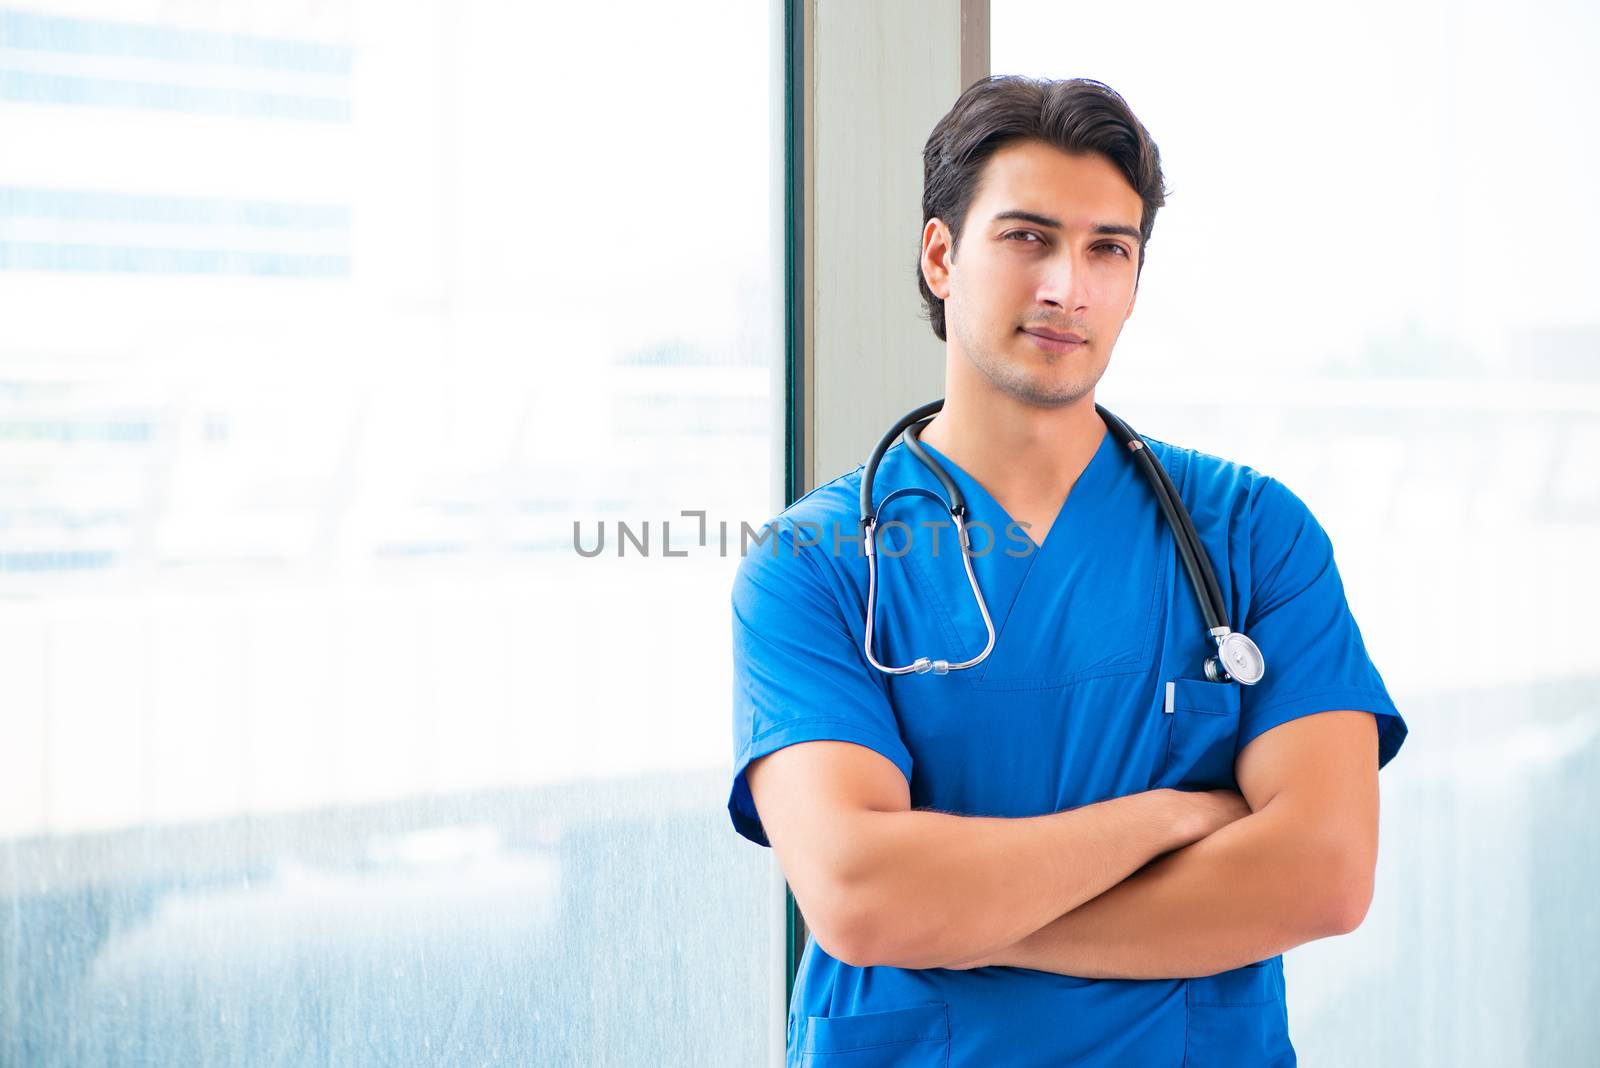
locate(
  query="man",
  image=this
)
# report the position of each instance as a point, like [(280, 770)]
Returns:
[(1080, 850)]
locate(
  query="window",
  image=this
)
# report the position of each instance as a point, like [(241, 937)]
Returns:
[(331, 332)]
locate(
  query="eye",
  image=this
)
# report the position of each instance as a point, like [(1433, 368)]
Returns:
[(1024, 233), (1119, 248)]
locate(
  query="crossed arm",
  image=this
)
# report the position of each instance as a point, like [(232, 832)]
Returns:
[(1298, 868)]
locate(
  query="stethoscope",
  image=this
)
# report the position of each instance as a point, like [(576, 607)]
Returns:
[(1237, 659)]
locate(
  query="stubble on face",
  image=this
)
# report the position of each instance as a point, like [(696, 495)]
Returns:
[(1052, 380)]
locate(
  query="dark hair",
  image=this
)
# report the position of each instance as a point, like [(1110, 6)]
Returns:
[(1077, 116)]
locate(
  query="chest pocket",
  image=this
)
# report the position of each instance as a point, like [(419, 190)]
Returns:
[(1205, 728), (915, 1037)]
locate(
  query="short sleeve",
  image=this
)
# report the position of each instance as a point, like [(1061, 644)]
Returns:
[(1299, 618), (799, 674)]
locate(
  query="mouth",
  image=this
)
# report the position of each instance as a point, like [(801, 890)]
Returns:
[(1051, 341)]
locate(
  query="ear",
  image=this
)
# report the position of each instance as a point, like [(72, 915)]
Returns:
[(937, 257)]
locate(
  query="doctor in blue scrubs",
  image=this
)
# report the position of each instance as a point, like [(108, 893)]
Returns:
[(1195, 828)]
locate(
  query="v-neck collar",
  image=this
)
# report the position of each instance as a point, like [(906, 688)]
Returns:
[(1001, 575), (1087, 484)]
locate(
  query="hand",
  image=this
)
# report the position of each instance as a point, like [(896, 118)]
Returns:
[(1211, 810)]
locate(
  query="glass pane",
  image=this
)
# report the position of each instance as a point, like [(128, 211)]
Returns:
[(329, 328), (1374, 279)]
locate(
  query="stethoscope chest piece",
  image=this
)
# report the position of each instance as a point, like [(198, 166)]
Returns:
[(1237, 660)]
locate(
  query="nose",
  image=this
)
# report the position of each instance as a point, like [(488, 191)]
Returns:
[(1065, 283)]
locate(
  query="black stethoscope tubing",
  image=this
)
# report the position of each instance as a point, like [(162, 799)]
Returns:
[(1233, 646), (1196, 561)]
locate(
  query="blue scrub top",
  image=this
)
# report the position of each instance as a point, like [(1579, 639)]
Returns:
[(1067, 710)]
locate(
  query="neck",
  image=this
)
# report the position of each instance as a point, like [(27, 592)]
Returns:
[(1014, 448)]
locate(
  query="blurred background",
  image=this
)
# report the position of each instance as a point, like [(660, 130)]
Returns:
[(323, 323), (333, 335)]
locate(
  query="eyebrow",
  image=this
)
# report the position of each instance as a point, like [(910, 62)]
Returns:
[(1055, 224)]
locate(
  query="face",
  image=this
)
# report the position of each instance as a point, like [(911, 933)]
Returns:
[(1070, 266)]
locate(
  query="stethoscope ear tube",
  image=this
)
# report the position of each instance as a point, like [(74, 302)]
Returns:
[(917, 416), (958, 500), (922, 664)]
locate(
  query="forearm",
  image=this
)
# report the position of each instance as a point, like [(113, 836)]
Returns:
[(1258, 886), (934, 887)]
